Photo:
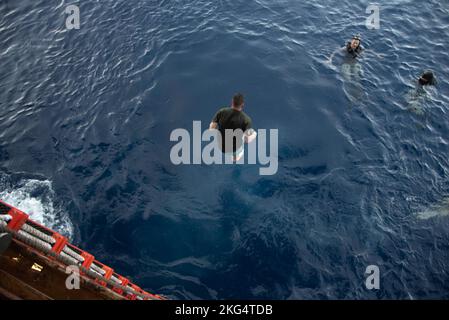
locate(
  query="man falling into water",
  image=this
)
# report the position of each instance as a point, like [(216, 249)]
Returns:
[(234, 124)]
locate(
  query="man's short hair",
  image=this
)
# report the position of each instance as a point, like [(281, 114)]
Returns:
[(238, 100)]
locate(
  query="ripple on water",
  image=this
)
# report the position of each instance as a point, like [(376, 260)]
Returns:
[(363, 178)]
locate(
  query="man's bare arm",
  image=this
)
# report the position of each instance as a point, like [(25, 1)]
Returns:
[(213, 125), (250, 135)]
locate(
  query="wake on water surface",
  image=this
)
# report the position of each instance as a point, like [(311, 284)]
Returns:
[(36, 198)]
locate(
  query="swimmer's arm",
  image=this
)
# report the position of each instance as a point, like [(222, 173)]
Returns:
[(213, 125), (250, 135), (329, 61)]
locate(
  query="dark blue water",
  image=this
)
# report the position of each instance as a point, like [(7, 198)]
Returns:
[(85, 119)]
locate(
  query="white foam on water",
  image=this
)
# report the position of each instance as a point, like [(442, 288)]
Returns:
[(440, 210), (35, 198)]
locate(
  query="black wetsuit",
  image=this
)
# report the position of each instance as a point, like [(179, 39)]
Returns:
[(354, 52), (229, 118)]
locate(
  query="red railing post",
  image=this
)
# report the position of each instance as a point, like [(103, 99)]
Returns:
[(88, 259), (108, 273), (123, 282), (60, 243), (18, 219)]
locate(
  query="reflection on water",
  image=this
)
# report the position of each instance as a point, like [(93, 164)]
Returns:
[(353, 73), (416, 98)]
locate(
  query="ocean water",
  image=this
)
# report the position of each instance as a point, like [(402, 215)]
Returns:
[(86, 115)]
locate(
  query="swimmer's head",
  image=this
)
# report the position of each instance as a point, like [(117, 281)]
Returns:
[(427, 78), (355, 42)]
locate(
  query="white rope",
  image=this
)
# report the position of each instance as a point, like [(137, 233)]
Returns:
[(96, 272), (73, 262), (35, 242), (5, 217), (97, 269), (3, 225), (37, 233), (73, 254), (115, 279)]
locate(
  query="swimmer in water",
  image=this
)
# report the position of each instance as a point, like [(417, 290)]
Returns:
[(427, 79), (417, 96), (353, 49)]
